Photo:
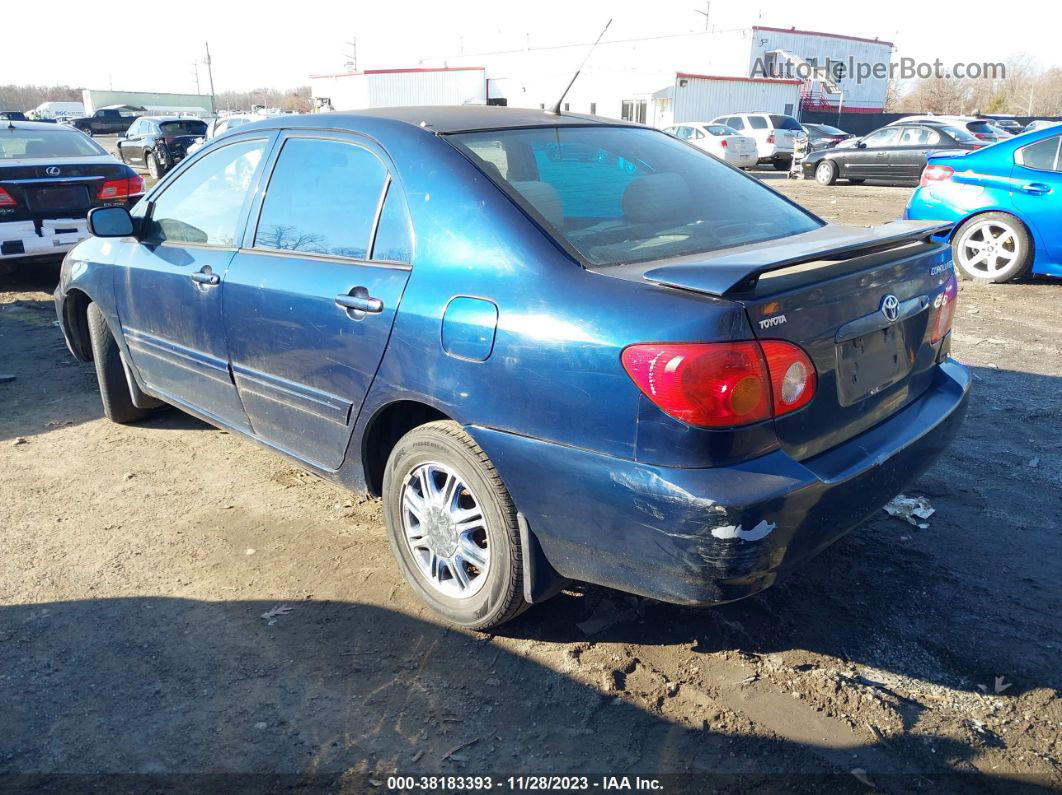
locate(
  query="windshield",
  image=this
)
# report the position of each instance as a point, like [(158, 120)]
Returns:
[(20, 142), (184, 127), (619, 195), (785, 123)]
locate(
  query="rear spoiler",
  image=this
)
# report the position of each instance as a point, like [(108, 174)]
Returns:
[(737, 271)]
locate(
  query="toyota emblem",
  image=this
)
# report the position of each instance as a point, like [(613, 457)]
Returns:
[(52, 171), (890, 307)]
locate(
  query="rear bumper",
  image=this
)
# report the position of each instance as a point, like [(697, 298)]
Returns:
[(22, 239), (706, 536)]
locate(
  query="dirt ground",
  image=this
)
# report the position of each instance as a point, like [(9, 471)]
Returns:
[(140, 568)]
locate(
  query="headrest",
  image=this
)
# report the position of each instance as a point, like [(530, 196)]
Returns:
[(655, 197), (544, 198)]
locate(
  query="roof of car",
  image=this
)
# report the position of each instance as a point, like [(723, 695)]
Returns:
[(171, 118), (448, 118), (32, 125)]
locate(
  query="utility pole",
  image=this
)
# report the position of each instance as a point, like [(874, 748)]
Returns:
[(210, 75), (352, 57), (195, 71), (707, 11)]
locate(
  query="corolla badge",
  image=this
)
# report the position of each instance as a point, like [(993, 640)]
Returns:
[(52, 171), (890, 307)]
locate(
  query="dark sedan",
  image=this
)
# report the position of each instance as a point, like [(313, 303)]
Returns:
[(825, 136), (159, 142), (549, 368), (896, 153)]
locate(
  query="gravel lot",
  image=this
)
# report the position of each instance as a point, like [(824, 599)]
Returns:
[(139, 564)]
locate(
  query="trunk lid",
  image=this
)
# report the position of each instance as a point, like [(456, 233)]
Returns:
[(834, 292), (55, 188)]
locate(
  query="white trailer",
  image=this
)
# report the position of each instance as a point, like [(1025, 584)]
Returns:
[(704, 97), (386, 88)]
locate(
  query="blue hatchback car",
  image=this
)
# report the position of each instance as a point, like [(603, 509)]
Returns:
[(637, 367), (1005, 201)]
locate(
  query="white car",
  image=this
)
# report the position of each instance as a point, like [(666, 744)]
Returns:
[(720, 141), (775, 133), (221, 125)]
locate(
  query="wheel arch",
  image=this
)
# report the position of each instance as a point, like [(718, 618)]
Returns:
[(389, 424), (75, 321)]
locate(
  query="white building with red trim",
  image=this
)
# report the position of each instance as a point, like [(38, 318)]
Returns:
[(656, 80)]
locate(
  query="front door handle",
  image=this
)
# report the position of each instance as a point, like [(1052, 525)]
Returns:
[(206, 276), (1036, 188), (360, 302)]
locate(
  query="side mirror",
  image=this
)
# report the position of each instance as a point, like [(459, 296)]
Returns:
[(861, 145), (110, 222)]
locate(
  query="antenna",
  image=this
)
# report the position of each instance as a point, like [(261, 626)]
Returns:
[(557, 108)]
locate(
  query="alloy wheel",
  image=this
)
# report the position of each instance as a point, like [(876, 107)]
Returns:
[(446, 531), (988, 248)]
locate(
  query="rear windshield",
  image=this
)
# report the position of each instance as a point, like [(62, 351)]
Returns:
[(20, 142), (721, 129), (184, 127), (785, 122), (960, 135), (619, 195), (979, 127)]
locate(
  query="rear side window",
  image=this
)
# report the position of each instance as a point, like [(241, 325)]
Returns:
[(780, 122), (757, 122), (1043, 155), (19, 142), (203, 205), (394, 241), (633, 195), (322, 199)]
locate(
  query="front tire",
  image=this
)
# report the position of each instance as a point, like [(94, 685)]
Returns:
[(452, 527), (992, 248), (826, 173), (110, 372), (783, 164)]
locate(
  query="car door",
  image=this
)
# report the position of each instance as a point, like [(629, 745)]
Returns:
[(127, 145), (310, 299), (907, 160), (869, 158), (168, 283), (1037, 180)]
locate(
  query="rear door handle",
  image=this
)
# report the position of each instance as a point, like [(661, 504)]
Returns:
[(359, 300), (1036, 188), (206, 276)]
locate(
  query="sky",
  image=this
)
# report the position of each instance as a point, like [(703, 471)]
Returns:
[(279, 44)]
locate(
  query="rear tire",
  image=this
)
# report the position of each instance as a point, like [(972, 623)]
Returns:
[(435, 556), (110, 372), (826, 173), (783, 164), (992, 248), (154, 167)]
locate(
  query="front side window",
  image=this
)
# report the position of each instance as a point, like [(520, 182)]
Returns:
[(322, 199), (1043, 155), (886, 136), (641, 196), (203, 205), (735, 122)]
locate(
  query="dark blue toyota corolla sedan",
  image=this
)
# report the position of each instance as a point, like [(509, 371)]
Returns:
[(558, 347)]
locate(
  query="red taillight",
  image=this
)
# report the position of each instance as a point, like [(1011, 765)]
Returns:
[(945, 307), (121, 188), (723, 143), (935, 174), (723, 384), (985, 136), (770, 138), (6, 199)]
